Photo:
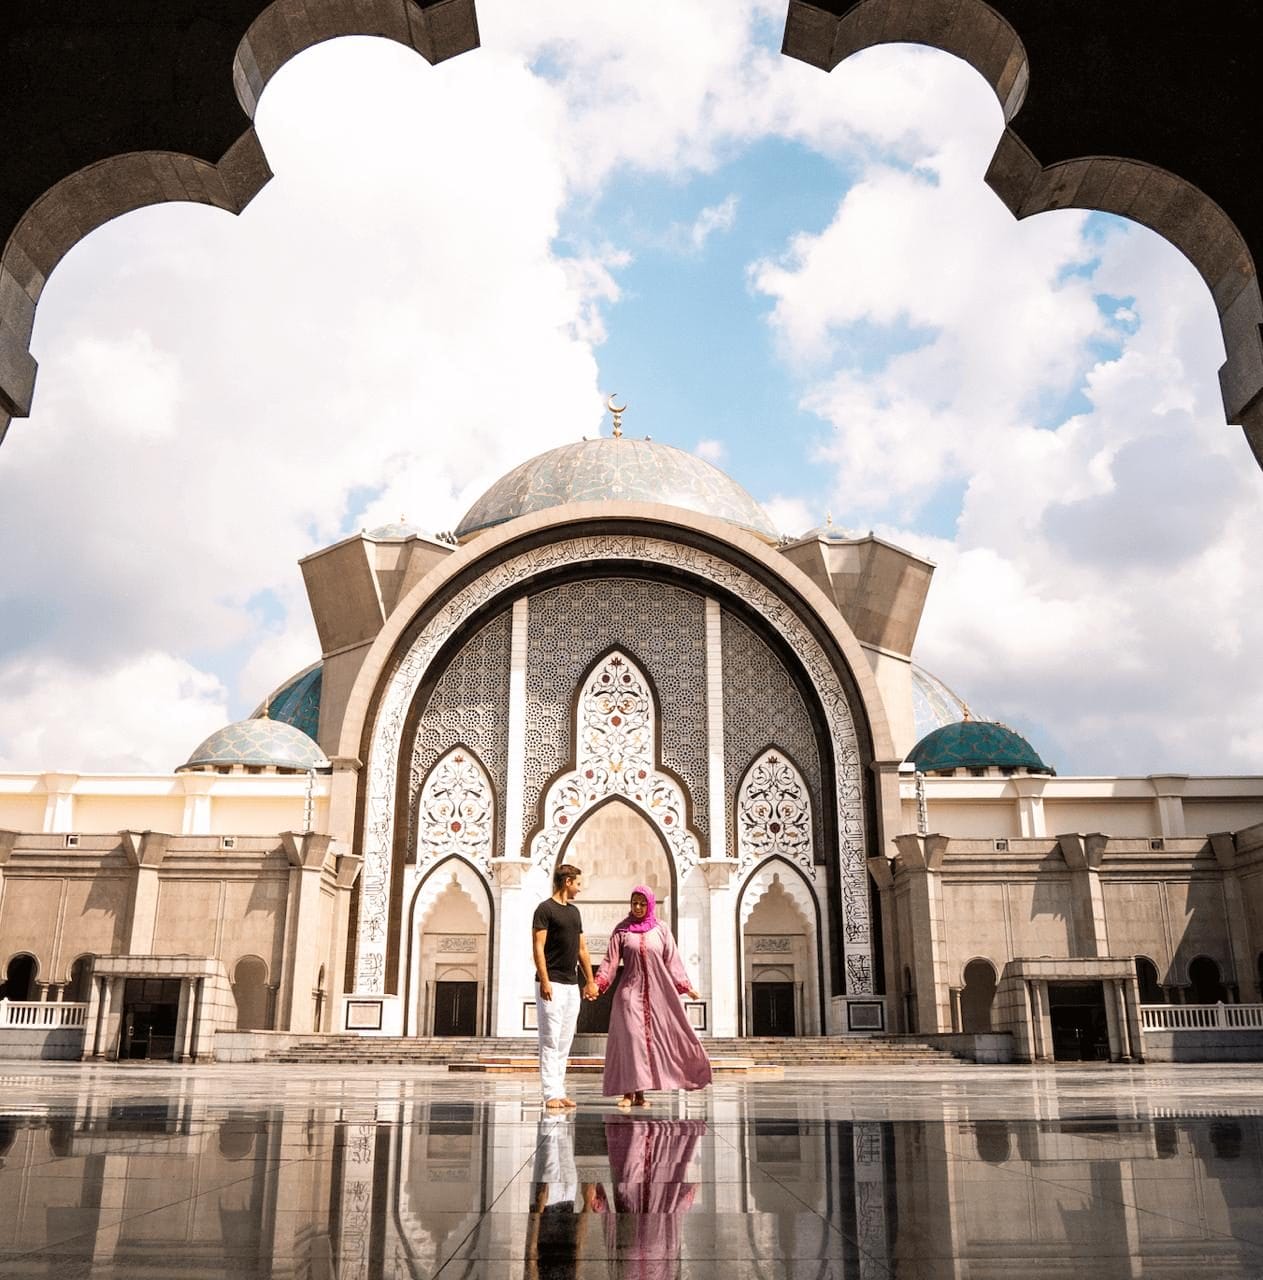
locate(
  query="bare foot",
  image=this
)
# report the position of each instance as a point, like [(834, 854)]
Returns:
[(625, 1102), (569, 1103), (555, 1104), (642, 1101)]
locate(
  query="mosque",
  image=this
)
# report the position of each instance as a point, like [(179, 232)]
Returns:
[(617, 661)]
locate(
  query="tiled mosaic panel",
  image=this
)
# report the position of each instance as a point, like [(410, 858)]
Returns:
[(469, 706), (298, 703), (663, 627), (762, 706)]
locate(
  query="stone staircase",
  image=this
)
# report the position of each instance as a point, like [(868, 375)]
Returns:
[(512, 1054)]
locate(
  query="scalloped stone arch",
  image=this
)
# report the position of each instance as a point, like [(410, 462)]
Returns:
[(400, 678), (773, 812), (615, 736), (1175, 208), (108, 187), (434, 881)]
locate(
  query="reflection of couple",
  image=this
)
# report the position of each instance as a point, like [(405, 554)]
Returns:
[(651, 1043), (649, 1166)]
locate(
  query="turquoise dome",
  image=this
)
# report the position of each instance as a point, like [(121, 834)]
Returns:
[(975, 744), (297, 702), (258, 742), (616, 469)]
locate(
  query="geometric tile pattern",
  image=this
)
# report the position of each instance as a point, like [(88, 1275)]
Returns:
[(662, 628), (762, 709), (298, 703), (975, 744), (623, 470), (469, 707), (259, 742)]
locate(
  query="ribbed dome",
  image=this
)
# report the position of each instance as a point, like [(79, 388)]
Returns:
[(615, 469), (975, 744), (297, 702), (258, 742)]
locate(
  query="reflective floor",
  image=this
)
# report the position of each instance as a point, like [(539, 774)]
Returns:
[(962, 1172)]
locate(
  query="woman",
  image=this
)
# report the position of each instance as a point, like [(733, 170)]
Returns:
[(651, 1044)]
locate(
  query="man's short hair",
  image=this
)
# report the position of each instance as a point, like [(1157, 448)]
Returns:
[(563, 873)]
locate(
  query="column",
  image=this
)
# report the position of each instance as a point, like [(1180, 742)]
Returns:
[(715, 782), (1120, 1016), (520, 888), (514, 790), (1117, 1049), (1240, 937), (921, 859), (145, 851), (59, 807), (958, 1022), (726, 982), (303, 940), (1131, 1007), (1030, 804), (1168, 788), (197, 803), (1083, 855), (182, 1019)]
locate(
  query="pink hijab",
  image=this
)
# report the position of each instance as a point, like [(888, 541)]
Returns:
[(629, 924)]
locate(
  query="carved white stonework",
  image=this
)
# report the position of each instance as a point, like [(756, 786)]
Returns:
[(456, 812), (403, 681), (614, 756), (774, 814), (767, 944), (457, 942)]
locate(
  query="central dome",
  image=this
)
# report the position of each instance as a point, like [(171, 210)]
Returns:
[(620, 470)]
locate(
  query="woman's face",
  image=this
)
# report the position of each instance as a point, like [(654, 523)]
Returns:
[(639, 906)]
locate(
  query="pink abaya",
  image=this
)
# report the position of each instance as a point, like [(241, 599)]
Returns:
[(651, 1044)]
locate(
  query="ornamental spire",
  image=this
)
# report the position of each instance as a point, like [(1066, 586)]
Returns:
[(618, 412)]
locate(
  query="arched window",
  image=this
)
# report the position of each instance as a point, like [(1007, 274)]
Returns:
[(1205, 984), (976, 996), (1147, 977), (249, 987), (19, 978), (78, 989)]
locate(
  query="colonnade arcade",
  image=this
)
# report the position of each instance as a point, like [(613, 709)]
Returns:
[(678, 729)]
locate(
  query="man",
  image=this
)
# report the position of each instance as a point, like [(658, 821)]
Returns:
[(559, 950)]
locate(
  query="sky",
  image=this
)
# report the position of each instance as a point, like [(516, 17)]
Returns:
[(801, 277)]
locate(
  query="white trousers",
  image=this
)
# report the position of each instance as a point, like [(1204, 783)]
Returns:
[(556, 1020)]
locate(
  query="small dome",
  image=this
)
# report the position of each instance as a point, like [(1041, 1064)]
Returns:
[(975, 744), (615, 469), (297, 701), (258, 742)]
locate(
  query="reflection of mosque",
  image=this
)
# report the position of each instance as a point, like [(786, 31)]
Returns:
[(400, 1187), (615, 661)]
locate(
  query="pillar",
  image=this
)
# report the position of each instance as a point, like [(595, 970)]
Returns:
[(1030, 804), (1168, 789), (1240, 937), (958, 1021), (145, 851), (303, 940), (59, 807), (197, 803), (920, 860), (726, 983), (1083, 855), (520, 887)]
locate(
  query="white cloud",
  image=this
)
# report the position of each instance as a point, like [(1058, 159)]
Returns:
[(145, 714), (713, 218), (713, 451)]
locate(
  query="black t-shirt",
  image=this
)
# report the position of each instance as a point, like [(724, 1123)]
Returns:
[(561, 946)]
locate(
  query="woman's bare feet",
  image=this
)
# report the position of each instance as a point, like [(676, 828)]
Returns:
[(625, 1102), (641, 1101)]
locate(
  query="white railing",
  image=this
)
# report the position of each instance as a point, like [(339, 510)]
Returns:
[(33, 1013), (1202, 1017)]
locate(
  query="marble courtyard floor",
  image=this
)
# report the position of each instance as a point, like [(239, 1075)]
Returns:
[(952, 1171)]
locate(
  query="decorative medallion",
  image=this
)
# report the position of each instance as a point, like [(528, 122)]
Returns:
[(614, 756), (457, 812), (774, 814)]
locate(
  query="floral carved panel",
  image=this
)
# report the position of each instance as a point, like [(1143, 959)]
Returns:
[(456, 812)]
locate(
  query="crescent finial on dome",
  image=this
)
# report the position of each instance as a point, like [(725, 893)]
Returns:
[(618, 412)]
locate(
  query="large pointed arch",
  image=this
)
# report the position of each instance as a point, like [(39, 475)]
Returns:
[(616, 754)]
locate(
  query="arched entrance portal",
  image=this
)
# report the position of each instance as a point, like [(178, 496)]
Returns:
[(448, 958), (780, 955), (616, 847)]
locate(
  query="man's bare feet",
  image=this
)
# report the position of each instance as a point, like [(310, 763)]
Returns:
[(569, 1103), (556, 1104)]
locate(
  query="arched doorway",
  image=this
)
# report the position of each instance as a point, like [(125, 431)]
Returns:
[(780, 965), (250, 990), (616, 847), (1147, 979), (449, 951), (1205, 983), (79, 987), (976, 996), (19, 978)]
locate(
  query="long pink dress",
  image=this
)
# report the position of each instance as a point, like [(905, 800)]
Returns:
[(651, 1044)]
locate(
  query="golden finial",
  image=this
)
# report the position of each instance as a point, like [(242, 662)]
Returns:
[(267, 707), (828, 519), (969, 715), (618, 412)]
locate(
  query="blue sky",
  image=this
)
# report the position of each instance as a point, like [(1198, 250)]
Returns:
[(801, 276)]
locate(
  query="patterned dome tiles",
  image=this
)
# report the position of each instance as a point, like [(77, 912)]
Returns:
[(259, 742), (623, 470), (298, 703), (975, 744)]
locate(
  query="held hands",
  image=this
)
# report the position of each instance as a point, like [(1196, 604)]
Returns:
[(692, 995), (591, 991)]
